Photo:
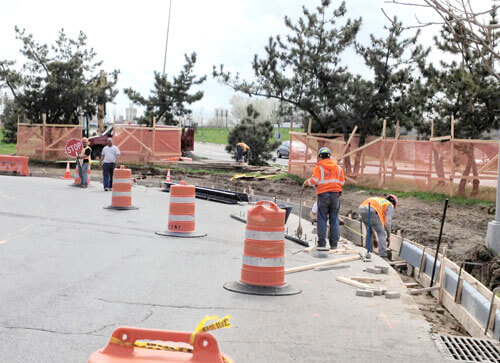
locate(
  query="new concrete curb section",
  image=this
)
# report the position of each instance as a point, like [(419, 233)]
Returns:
[(471, 299)]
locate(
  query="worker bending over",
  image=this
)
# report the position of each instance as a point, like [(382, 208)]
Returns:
[(381, 212), (328, 178), (241, 150)]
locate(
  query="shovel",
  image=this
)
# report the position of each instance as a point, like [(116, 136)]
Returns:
[(299, 228)]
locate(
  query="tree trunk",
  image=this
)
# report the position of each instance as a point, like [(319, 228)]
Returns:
[(438, 164), (471, 165), (357, 164), (347, 163)]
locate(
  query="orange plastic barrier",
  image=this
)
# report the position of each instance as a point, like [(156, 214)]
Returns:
[(263, 265), (181, 215), (123, 347), (121, 198), (17, 164)]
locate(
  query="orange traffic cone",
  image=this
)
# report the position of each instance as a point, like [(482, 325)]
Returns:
[(181, 214), (67, 174), (77, 181), (121, 197), (88, 174), (263, 265), (167, 180)]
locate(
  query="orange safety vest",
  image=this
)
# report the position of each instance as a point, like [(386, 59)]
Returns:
[(328, 176), (380, 205), (243, 145)]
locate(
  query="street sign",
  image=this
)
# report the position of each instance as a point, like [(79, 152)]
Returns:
[(74, 147)]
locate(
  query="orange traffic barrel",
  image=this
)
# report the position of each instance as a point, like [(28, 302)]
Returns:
[(121, 197), (263, 265), (129, 344), (181, 214)]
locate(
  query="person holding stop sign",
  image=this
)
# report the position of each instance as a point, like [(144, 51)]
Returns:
[(83, 168)]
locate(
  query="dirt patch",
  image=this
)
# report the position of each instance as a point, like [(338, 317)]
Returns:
[(441, 321)]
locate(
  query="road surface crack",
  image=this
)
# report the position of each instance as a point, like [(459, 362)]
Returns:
[(184, 306)]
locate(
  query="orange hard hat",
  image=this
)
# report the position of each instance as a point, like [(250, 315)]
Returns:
[(85, 139)]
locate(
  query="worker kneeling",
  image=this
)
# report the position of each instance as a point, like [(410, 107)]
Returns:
[(381, 211), (328, 177)]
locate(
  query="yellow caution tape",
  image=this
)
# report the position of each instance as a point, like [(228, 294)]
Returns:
[(218, 324), (352, 230)]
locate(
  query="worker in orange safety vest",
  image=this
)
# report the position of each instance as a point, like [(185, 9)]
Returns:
[(328, 178), (241, 150), (381, 212)]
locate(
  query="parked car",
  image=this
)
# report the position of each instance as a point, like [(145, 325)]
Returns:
[(283, 150)]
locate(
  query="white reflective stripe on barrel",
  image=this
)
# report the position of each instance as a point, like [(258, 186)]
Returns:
[(121, 194), (263, 261), (126, 181), (182, 199), (264, 235), (180, 218)]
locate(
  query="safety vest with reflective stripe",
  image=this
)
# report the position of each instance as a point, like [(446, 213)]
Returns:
[(328, 176), (380, 205), (85, 157)]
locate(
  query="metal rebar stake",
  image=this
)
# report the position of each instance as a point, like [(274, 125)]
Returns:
[(439, 241)]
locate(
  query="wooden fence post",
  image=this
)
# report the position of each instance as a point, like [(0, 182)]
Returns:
[(44, 133)]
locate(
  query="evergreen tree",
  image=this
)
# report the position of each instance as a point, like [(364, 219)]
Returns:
[(396, 90), (61, 80), (169, 99), (9, 115), (257, 135), (465, 89), (303, 68)]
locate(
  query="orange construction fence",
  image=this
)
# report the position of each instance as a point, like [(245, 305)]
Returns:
[(148, 144), (45, 141), (445, 165)]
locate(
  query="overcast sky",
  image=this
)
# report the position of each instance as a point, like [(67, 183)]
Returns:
[(130, 35)]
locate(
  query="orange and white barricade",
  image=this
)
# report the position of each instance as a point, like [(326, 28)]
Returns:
[(263, 265), (129, 344), (121, 198), (181, 214)]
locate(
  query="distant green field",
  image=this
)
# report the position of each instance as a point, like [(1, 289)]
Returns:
[(218, 135), (6, 148)]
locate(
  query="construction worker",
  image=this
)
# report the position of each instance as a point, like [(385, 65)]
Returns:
[(241, 150), (328, 178), (83, 166), (381, 212)]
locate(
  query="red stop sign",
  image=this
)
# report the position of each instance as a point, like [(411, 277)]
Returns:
[(74, 147)]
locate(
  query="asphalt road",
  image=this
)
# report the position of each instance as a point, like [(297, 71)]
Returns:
[(218, 152), (71, 272)]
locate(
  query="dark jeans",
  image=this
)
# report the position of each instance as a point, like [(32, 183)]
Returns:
[(239, 153), (107, 174), (83, 172), (328, 207)]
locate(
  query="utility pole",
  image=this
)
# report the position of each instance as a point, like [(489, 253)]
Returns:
[(493, 231), (166, 42)]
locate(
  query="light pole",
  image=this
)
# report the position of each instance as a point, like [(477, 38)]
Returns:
[(493, 232)]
